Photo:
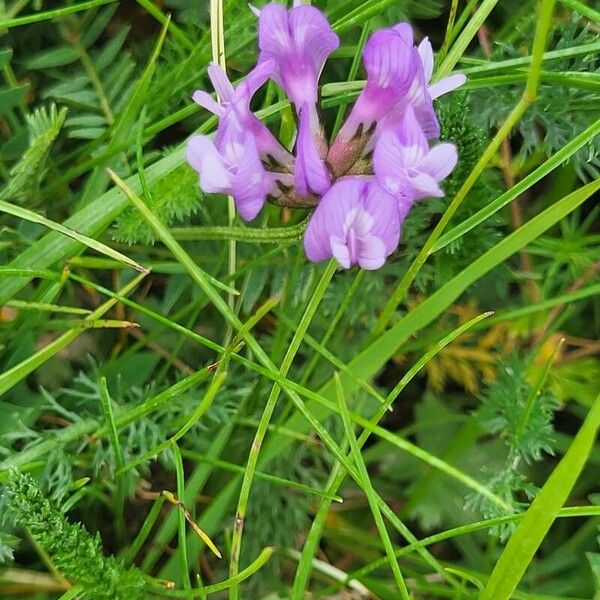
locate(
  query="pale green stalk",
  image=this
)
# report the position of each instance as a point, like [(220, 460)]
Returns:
[(144, 531), (185, 569), (564, 513), (583, 9), (218, 55), (370, 492), (449, 28), (196, 415), (464, 39), (228, 466), (295, 391), (32, 217), (525, 541), (51, 14), (260, 561), (109, 418), (12, 376), (339, 313)]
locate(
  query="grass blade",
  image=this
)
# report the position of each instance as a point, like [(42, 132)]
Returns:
[(28, 215), (369, 491), (51, 14), (10, 378), (153, 221), (523, 544)]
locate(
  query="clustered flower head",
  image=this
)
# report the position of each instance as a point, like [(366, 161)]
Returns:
[(380, 163)]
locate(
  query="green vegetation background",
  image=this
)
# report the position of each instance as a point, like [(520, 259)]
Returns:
[(189, 408)]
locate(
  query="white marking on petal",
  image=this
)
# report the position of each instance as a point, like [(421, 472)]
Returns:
[(340, 251)]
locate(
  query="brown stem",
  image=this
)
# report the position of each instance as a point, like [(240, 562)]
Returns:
[(578, 283), (509, 181), (516, 215), (176, 362), (289, 199)]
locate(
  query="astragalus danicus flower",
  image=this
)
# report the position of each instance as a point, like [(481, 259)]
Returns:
[(381, 162)]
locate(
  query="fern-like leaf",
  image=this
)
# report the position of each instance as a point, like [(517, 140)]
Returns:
[(76, 554), (44, 126), (174, 198)]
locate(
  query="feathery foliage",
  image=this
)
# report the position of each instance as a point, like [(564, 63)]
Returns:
[(75, 553)]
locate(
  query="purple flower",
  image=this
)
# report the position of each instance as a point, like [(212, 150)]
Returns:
[(420, 95), (356, 222), (398, 75), (233, 109), (298, 41), (310, 172), (406, 167), (232, 166), (448, 84), (390, 61)]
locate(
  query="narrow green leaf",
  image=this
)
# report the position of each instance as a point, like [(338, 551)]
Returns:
[(91, 221), (51, 14), (558, 158), (468, 33), (260, 561), (158, 227), (271, 235), (181, 530), (145, 529), (368, 490), (524, 543), (10, 378), (583, 9), (46, 307), (196, 415), (32, 217), (372, 359), (121, 131), (228, 466), (41, 273), (56, 57)]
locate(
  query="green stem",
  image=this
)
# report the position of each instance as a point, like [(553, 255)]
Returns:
[(185, 570), (73, 38), (253, 235), (51, 14), (265, 420), (370, 492), (262, 559), (582, 9), (464, 39), (110, 424), (570, 512), (449, 29), (154, 11), (341, 311)]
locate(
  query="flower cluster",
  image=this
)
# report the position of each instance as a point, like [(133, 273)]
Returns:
[(380, 163)]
